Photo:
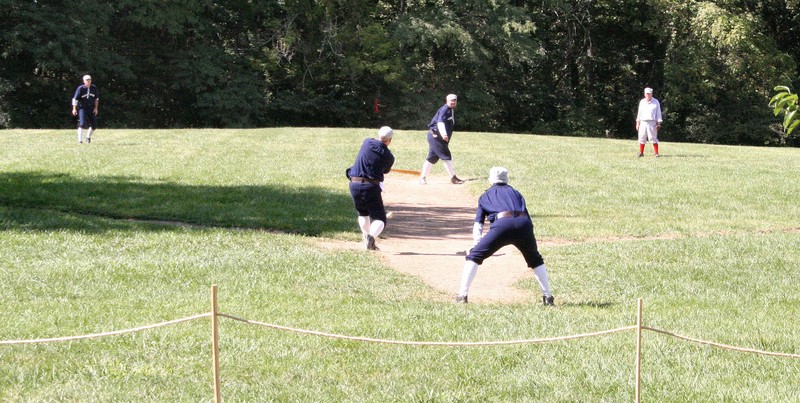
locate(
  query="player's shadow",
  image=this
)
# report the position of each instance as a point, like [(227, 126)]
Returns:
[(591, 304), (422, 222), (458, 253)]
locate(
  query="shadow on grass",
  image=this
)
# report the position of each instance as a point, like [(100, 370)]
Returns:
[(44, 201), (592, 304)]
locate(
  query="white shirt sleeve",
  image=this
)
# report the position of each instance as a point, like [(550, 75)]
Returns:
[(641, 113), (442, 129), (658, 112), (477, 232)]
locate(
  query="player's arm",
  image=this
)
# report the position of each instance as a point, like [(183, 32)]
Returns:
[(75, 97), (477, 226), (389, 163), (477, 233), (443, 131), (659, 118)]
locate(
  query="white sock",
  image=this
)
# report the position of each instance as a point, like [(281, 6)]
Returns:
[(363, 223), (451, 170), (376, 228), (470, 270), (426, 168), (541, 275), (80, 134), (89, 133)]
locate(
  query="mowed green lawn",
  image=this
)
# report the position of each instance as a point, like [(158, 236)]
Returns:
[(90, 242)]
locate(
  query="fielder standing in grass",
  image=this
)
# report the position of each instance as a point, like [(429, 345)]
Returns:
[(648, 121), (374, 159), (510, 224), (85, 103), (440, 131)]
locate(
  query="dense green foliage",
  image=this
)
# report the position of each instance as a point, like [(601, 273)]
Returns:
[(534, 66), (91, 241)]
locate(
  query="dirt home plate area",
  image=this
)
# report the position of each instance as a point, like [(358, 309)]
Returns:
[(430, 231)]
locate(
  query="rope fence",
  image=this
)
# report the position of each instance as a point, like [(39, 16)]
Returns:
[(720, 345), (105, 334), (429, 343), (215, 314)]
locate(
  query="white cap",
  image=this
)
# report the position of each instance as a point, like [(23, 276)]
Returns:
[(648, 90), (385, 133), (87, 77), (498, 175), (451, 97)]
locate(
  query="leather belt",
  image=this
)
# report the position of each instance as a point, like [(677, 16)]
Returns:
[(509, 214), (358, 179)]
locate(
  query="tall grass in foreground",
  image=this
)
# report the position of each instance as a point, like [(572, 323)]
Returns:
[(706, 235)]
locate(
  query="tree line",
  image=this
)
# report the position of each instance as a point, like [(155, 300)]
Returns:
[(525, 66)]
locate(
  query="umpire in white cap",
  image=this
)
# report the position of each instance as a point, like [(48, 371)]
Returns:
[(510, 224)]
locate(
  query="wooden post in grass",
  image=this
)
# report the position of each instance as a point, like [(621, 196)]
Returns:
[(215, 343), (639, 352)]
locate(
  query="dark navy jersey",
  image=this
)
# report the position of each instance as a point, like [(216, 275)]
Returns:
[(444, 114), (86, 96), (374, 159), (499, 197)]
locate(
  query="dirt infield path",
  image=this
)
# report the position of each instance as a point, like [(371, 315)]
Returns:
[(429, 233), (431, 229)]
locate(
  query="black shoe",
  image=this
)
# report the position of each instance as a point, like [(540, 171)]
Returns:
[(640, 155), (454, 180), (461, 299), (550, 301), (88, 140), (371, 243)]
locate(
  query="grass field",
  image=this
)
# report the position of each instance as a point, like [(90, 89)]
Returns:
[(89, 242)]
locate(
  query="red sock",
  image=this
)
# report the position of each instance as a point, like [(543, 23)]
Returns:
[(641, 148), (655, 148)]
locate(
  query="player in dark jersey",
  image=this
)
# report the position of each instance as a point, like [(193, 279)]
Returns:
[(440, 132), (85, 103), (374, 159), (510, 224)]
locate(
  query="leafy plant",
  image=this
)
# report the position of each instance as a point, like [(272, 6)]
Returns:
[(786, 102)]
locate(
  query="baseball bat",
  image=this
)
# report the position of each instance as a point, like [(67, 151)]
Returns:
[(406, 171)]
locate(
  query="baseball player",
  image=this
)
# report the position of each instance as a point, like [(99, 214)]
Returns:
[(440, 131), (510, 224), (648, 121), (374, 159), (85, 105)]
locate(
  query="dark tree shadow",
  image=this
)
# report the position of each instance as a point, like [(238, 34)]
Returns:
[(46, 201)]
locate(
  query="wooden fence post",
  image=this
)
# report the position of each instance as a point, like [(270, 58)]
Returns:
[(639, 352), (215, 343)]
